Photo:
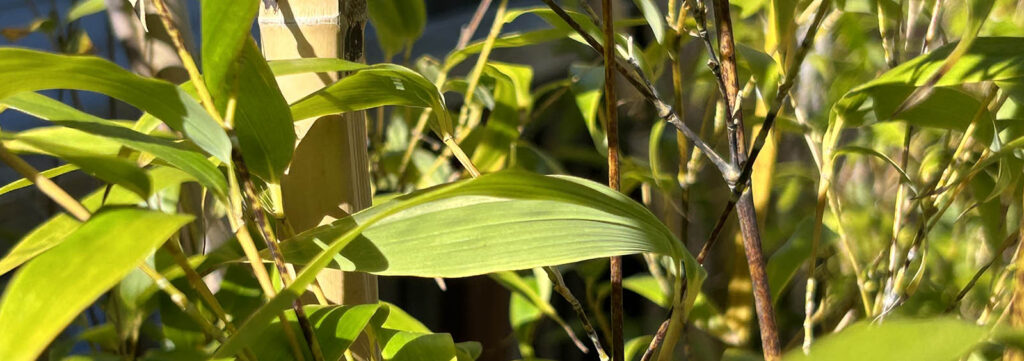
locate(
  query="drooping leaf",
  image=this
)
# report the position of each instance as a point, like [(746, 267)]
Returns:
[(91, 260), (933, 339), (398, 23), (24, 70), (108, 168), (414, 346), (378, 85), (654, 18), (189, 161), (503, 221), (474, 222), (56, 229), (987, 59), (84, 8), (44, 107)]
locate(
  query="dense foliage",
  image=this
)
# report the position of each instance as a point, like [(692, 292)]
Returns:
[(799, 179)]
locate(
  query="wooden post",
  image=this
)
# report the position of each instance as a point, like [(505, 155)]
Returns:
[(329, 175)]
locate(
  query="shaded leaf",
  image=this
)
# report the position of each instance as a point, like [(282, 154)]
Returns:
[(932, 339)]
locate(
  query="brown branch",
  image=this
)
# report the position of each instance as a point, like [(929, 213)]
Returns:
[(559, 286), (470, 28), (745, 206), (741, 183), (612, 133)]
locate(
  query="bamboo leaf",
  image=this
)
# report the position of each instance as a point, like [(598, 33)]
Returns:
[(654, 18), (336, 327), (312, 65), (512, 98), (398, 23), (91, 260), (24, 70), (414, 346), (509, 220), (378, 85), (481, 223), (84, 8), (108, 168), (932, 339), (189, 161), (263, 122), (852, 149), (226, 25)]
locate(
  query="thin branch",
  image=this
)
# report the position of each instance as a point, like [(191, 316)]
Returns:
[(186, 60), (1009, 241), (745, 205), (612, 134), (470, 28), (45, 185), (742, 181), (560, 287), (638, 80), (269, 237), (656, 341)]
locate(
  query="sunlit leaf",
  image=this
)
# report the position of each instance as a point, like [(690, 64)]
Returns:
[(91, 260), (24, 70)]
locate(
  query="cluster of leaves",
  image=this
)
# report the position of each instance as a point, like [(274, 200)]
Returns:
[(889, 238)]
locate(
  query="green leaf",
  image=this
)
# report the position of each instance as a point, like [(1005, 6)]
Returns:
[(336, 327), (932, 339), (468, 351), (44, 107), (648, 287), (189, 161), (84, 8), (263, 122), (512, 99), (90, 261), (398, 23), (503, 221), (987, 59), (587, 86), (312, 65), (108, 168), (636, 346), (56, 229), (400, 320), (226, 25), (375, 86), (24, 70), (514, 40), (654, 18), (792, 256), (414, 346)]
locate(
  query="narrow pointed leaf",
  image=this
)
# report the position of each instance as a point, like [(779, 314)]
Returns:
[(934, 339), (226, 25), (263, 122), (24, 70), (336, 327), (91, 260)]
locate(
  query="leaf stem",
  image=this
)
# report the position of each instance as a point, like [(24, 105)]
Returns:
[(186, 60), (269, 237), (45, 185)]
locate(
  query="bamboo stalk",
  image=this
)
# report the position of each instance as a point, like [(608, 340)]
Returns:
[(329, 175)]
